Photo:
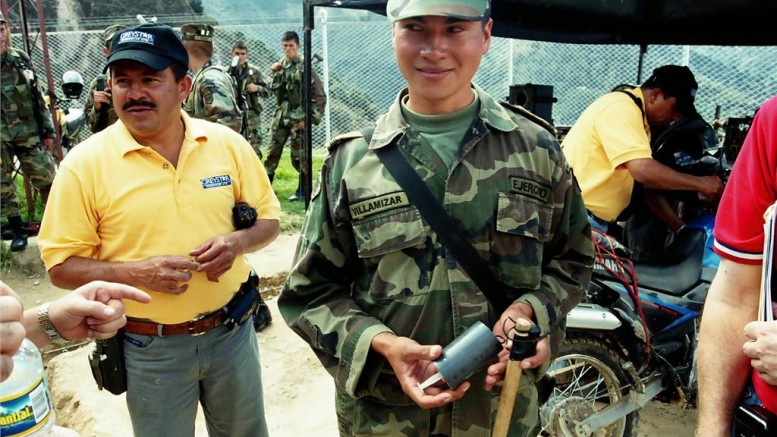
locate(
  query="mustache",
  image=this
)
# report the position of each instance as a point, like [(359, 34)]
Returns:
[(140, 103)]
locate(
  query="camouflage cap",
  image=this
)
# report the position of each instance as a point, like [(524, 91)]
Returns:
[(469, 10), (2, 18), (197, 32), (111, 30)]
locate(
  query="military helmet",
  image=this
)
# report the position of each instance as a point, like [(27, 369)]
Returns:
[(72, 84), (110, 31), (197, 32)]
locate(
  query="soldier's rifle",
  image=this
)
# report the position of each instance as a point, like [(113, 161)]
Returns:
[(234, 71)]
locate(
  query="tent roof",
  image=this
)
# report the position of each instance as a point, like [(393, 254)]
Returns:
[(648, 22)]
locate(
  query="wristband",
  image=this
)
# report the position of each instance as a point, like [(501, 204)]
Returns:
[(45, 322)]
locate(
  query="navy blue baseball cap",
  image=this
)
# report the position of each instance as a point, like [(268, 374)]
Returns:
[(155, 45)]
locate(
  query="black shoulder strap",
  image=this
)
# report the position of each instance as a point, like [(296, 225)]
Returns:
[(637, 101), (443, 224)]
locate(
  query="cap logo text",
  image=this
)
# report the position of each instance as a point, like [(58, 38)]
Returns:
[(136, 37)]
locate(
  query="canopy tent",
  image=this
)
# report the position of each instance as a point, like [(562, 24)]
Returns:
[(630, 22), (640, 22)]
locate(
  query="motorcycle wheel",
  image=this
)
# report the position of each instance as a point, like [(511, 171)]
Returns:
[(588, 376)]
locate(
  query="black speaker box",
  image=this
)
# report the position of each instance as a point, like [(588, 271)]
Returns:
[(537, 99)]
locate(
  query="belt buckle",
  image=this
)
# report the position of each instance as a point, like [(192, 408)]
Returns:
[(191, 326)]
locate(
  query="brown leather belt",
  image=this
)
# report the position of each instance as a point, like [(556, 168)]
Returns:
[(197, 326)]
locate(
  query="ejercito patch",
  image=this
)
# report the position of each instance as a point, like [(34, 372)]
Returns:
[(529, 188), (375, 205)]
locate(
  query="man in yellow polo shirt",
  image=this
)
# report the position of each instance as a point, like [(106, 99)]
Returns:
[(148, 202), (609, 146)]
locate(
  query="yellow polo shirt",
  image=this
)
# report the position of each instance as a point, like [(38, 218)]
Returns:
[(116, 200), (609, 133)]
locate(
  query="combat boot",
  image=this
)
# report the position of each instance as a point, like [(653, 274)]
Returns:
[(297, 194), (262, 318), (19, 239)]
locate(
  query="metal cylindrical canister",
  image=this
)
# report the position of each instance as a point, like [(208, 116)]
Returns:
[(465, 355)]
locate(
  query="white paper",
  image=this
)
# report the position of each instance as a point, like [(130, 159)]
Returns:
[(765, 302)]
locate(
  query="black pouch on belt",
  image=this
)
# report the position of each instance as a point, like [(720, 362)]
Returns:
[(107, 363), (244, 304)]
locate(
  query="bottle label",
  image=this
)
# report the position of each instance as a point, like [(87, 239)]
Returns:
[(25, 412)]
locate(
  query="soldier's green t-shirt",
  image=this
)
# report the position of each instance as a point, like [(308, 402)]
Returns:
[(444, 132)]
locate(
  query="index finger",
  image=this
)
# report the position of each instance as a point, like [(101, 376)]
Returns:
[(112, 290)]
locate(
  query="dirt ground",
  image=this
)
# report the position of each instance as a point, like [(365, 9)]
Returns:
[(298, 392)]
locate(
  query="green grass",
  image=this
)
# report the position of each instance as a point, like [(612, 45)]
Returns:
[(285, 183)]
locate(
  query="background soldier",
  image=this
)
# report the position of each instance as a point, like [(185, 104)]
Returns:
[(25, 123), (212, 98), (289, 118), (99, 107), (253, 87), (213, 91)]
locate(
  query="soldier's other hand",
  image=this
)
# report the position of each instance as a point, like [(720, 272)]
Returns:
[(276, 67), (252, 87), (413, 364), (165, 274), (101, 97), (48, 144)]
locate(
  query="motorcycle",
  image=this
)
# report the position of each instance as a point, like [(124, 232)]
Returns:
[(633, 338)]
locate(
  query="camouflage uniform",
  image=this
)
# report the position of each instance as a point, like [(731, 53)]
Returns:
[(287, 86), (106, 116), (20, 131), (213, 97), (250, 74), (367, 263), (98, 120)]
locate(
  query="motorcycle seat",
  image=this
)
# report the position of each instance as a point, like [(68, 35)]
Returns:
[(675, 279)]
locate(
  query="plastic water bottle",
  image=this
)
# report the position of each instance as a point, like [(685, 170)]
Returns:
[(25, 403)]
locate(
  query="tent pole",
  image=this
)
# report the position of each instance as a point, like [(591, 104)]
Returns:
[(642, 52)]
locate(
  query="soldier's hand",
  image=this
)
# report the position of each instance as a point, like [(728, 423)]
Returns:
[(252, 87), (165, 274), (48, 144), (496, 372), (413, 364), (101, 97), (276, 67)]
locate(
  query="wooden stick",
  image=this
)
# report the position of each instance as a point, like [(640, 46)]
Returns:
[(510, 386)]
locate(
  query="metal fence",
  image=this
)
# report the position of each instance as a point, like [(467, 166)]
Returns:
[(361, 78)]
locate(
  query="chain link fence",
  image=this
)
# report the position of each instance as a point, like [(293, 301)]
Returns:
[(361, 78)]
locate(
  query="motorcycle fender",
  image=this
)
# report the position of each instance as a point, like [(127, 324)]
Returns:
[(592, 316)]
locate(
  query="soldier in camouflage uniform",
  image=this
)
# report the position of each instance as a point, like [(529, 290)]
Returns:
[(25, 123), (213, 91), (289, 118), (374, 292), (99, 106), (253, 87)]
